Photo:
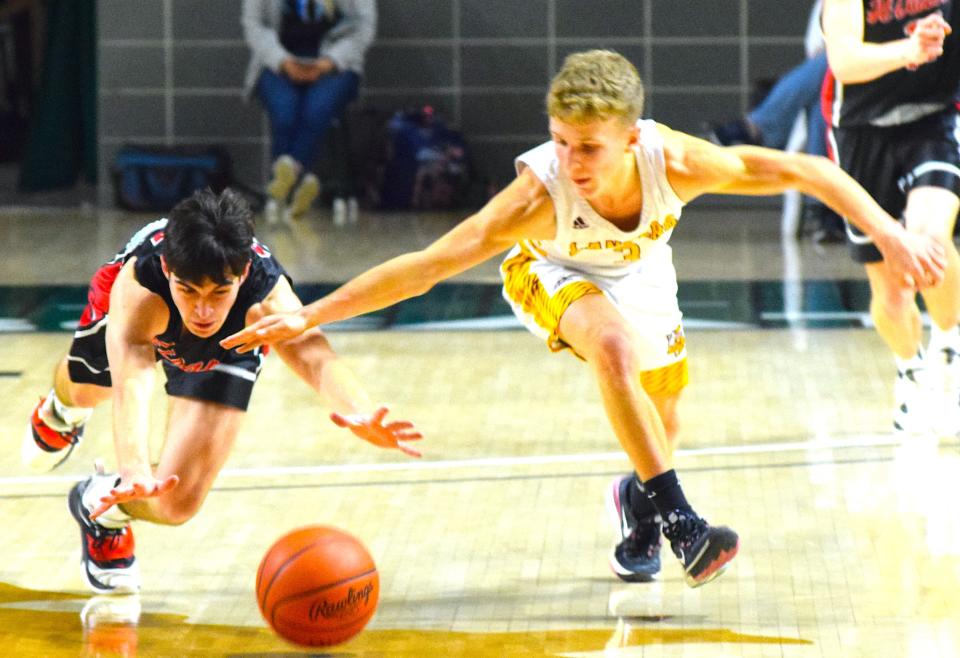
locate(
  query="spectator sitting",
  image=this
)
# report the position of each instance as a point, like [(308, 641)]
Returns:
[(306, 61)]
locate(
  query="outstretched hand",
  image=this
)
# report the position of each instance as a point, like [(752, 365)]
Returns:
[(134, 488), (371, 428), (271, 329)]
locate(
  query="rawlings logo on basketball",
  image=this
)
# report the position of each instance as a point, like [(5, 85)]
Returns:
[(345, 606)]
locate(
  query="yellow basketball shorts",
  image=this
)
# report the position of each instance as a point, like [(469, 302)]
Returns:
[(539, 291)]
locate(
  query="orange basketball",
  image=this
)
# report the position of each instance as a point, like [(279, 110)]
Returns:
[(317, 586)]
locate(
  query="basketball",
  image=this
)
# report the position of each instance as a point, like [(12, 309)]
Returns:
[(317, 586)]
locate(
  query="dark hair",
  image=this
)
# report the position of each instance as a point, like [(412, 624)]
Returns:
[(209, 236)]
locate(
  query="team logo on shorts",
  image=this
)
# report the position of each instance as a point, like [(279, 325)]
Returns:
[(676, 341)]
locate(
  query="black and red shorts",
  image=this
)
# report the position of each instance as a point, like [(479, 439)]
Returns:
[(889, 162)]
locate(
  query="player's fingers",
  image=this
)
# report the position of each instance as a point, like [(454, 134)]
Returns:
[(409, 436), (107, 502), (399, 425), (407, 450), (932, 38), (119, 492), (378, 415), (339, 420), (935, 19), (252, 341), (250, 345), (917, 273), (235, 339), (100, 509), (935, 264)]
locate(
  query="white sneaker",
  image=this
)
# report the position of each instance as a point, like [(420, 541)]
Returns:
[(48, 440), (339, 211), (108, 564), (271, 212), (911, 416), (353, 210)]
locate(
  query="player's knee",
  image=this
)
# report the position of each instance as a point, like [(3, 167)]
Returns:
[(615, 354), (895, 300), (178, 509)]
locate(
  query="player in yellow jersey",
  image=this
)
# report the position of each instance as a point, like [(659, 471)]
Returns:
[(588, 218)]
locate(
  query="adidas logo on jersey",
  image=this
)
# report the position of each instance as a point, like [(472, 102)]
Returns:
[(579, 223)]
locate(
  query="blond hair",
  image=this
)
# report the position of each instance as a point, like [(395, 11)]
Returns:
[(596, 84)]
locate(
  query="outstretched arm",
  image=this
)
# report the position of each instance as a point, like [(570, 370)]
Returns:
[(853, 60), (312, 358), (136, 315), (522, 210), (697, 167)]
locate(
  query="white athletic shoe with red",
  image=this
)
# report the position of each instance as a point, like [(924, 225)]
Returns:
[(48, 441), (108, 562)]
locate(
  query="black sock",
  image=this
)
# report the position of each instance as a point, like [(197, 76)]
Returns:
[(665, 493), (637, 500)]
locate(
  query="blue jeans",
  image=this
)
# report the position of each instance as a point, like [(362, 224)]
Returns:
[(797, 91), (300, 114)]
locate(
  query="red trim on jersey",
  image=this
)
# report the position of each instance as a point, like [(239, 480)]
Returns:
[(827, 96), (98, 295)]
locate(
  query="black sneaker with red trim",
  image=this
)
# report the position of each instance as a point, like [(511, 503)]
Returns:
[(108, 563), (48, 441), (703, 550)]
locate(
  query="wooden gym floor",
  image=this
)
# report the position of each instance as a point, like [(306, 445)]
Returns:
[(495, 543)]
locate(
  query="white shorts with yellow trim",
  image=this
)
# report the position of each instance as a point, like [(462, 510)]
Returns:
[(539, 291)]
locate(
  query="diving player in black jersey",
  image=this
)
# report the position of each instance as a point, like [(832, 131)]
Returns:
[(176, 289), (890, 101)]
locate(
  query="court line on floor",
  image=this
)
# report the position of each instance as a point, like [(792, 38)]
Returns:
[(862, 441)]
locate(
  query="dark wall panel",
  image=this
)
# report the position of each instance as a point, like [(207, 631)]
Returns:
[(171, 71)]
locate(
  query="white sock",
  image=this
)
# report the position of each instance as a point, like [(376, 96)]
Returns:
[(913, 363), (941, 338), (71, 416), (99, 487)]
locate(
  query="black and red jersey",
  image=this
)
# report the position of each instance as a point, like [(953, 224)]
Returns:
[(176, 346), (904, 95)]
